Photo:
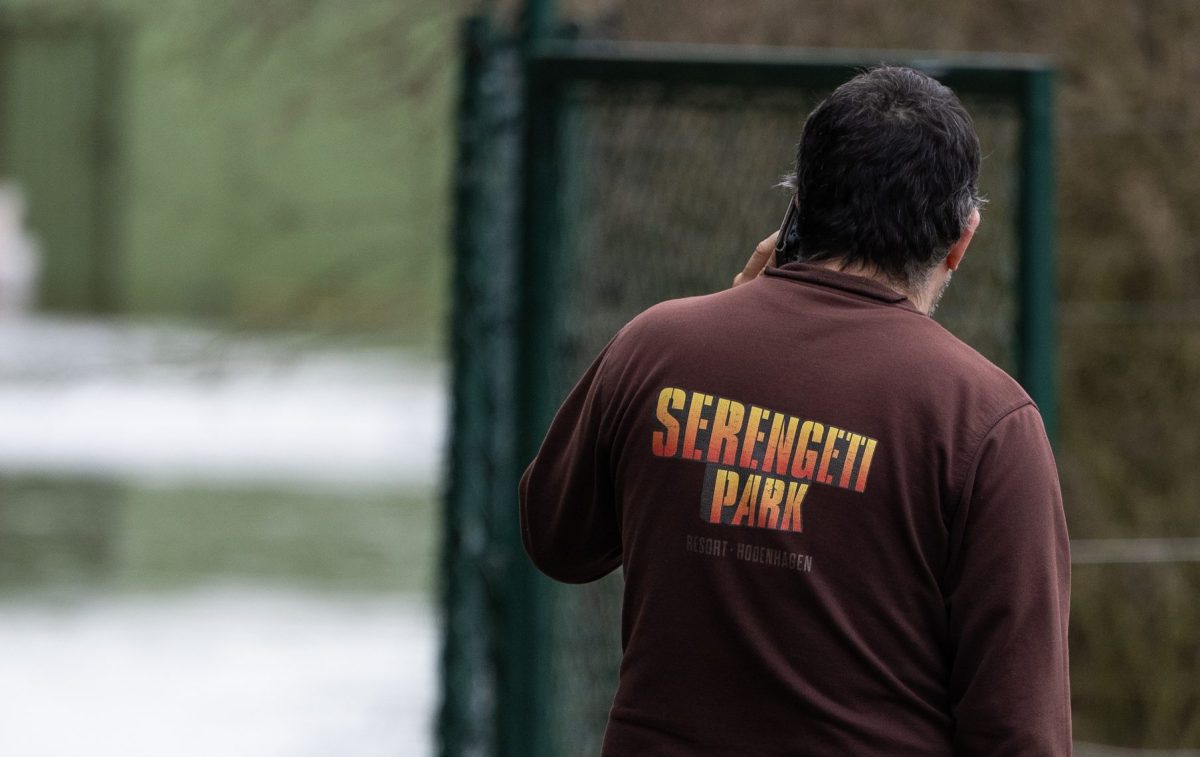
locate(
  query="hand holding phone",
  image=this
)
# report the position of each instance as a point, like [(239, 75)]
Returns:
[(768, 250), (763, 256)]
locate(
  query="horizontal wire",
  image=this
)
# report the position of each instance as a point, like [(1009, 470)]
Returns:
[(1183, 313), (1133, 551), (1086, 749)]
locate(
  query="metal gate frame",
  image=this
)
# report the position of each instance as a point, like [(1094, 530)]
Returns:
[(515, 693)]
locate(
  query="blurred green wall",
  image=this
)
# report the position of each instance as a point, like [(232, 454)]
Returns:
[(278, 163), (52, 141)]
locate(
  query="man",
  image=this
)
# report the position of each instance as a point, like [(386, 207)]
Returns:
[(840, 527)]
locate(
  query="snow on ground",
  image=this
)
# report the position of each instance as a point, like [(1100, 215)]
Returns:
[(246, 672), (178, 405), (235, 672)]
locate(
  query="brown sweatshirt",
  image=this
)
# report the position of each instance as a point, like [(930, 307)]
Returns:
[(840, 527)]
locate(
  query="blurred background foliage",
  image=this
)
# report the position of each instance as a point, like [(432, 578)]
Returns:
[(273, 163)]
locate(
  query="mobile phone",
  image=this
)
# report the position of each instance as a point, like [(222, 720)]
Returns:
[(787, 229)]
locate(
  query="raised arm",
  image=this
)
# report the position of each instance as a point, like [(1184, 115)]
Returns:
[(763, 256)]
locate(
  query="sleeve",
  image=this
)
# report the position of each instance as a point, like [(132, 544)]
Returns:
[(1008, 598), (568, 511)]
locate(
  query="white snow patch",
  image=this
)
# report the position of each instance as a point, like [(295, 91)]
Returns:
[(236, 673), (178, 405)]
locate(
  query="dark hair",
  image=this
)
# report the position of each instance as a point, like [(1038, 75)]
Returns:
[(885, 175)]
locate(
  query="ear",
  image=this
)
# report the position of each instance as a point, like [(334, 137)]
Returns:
[(959, 248)]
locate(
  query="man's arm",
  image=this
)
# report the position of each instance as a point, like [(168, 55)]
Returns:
[(1008, 598), (568, 509)]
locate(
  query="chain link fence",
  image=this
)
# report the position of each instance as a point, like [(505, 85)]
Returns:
[(660, 189)]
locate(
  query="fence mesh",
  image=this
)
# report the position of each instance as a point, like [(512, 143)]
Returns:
[(666, 191)]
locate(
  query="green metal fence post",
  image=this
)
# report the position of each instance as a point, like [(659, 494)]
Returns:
[(524, 706), (482, 542), (539, 21), (466, 484), (1037, 327)]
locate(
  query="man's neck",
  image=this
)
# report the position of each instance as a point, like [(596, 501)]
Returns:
[(923, 299)]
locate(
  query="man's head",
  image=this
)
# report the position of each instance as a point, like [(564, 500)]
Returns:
[(885, 181)]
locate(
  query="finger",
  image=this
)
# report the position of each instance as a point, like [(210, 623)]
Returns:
[(763, 256)]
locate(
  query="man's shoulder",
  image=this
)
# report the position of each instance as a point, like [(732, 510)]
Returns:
[(683, 310), (675, 319), (959, 391), (963, 363), (882, 347)]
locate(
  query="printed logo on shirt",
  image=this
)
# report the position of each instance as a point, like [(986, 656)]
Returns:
[(761, 462)]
